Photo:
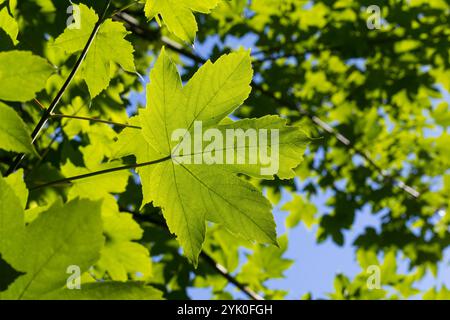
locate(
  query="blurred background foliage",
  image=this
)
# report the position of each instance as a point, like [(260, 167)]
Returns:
[(377, 102)]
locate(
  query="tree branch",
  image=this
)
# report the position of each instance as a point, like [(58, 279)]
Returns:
[(46, 150), (49, 111), (146, 33), (224, 272), (344, 141)]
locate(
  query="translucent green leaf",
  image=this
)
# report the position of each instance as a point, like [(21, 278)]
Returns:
[(131, 142), (9, 25), (178, 15), (60, 237), (98, 186), (290, 147), (300, 210), (121, 257), (435, 294), (109, 46), (190, 194), (19, 187), (11, 220), (22, 74), (265, 263), (14, 134), (11, 234), (441, 114)]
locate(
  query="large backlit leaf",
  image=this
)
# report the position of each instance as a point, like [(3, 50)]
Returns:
[(190, 194), (60, 237)]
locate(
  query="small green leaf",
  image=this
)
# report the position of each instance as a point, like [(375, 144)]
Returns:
[(19, 187), (300, 210), (14, 134), (22, 74), (11, 233), (121, 258), (178, 15), (265, 263), (60, 237), (11, 220), (9, 25), (109, 46), (441, 114)]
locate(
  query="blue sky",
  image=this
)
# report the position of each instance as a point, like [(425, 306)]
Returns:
[(316, 265)]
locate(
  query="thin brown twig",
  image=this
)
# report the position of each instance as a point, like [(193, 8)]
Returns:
[(41, 106)]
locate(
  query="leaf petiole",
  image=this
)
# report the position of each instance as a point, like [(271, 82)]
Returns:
[(67, 181), (57, 115)]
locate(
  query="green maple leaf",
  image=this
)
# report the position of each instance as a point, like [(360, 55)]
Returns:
[(300, 210), (22, 74), (9, 25), (11, 219), (62, 236), (121, 257), (265, 263), (11, 230), (108, 47), (178, 15), (16, 183), (190, 194), (95, 187), (14, 134)]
